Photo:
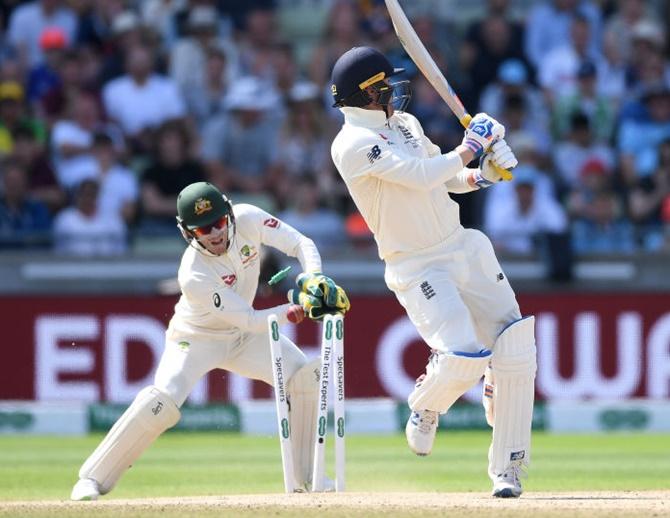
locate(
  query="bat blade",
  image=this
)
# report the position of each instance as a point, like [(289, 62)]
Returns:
[(424, 62)]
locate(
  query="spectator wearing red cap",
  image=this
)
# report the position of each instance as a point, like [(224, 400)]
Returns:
[(44, 77), (28, 23)]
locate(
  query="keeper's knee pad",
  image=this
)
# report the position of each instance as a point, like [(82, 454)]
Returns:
[(448, 377), (150, 414), (513, 367)]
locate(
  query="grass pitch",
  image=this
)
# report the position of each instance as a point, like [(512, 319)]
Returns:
[(213, 465)]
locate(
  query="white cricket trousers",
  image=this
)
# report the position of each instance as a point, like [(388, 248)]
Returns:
[(187, 359), (455, 293)]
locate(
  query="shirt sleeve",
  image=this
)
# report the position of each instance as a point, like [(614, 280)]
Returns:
[(229, 306), (370, 156), (459, 184), (285, 238)]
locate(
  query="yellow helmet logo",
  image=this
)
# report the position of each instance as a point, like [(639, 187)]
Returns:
[(202, 205), (333, 89)]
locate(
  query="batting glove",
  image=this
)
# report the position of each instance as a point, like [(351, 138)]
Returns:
[(500, 155), (482, 131)]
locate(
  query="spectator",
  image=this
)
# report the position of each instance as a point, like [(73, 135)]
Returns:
[(240, 147), (557, 73), (517, 225), (95, 23), (189, 58), (13, 116), (512, 80), (170, 170), (594, 177), (342, 32), (44, 77), (205, 101), (119, 190), (28, 22), (648, 65), (257, 43), (649, 200), (126, 34), (30, 155), (72, 141), (82, 230), (516, 115), (587, 100), (580, 148), (303, 142), (24, 221), (639, 140), (142, 100), (306, 214), (489, 43), (287, 71), (549, 25), (620, 26), (70, 85), (606, 231)]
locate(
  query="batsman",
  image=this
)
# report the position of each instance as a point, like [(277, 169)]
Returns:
[(215, 326), (446, 277)]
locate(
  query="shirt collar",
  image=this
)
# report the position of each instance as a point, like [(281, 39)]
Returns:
[(365, 118)]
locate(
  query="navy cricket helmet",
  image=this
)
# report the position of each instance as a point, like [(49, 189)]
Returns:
[(359, 68)]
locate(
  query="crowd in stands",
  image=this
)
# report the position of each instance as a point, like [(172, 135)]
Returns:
[(108, 108)]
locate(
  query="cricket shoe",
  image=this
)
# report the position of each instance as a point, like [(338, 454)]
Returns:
[(420, 431), (508, 483), (85, 489), (328, 485)]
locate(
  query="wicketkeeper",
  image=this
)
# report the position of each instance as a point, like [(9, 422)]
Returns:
[(446, 277), (215, 326)]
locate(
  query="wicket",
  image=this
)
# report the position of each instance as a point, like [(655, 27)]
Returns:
[(332, 345), (282, 404)]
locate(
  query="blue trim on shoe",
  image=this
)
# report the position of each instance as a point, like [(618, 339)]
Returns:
[(481, 354)]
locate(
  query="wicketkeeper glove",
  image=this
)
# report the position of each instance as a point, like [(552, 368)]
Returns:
[(321, 286), (311, 305)]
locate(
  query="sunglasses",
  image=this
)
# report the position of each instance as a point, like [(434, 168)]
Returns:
[(220, 223)]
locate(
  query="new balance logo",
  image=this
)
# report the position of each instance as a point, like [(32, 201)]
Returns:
[(427, 290), (374, 153), (518, 455)]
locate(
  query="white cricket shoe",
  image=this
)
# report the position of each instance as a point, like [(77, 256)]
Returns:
[(420, 431), (85, 489), (508, 483)]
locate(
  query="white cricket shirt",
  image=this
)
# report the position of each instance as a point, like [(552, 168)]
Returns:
[(218, 291), (398, 179)]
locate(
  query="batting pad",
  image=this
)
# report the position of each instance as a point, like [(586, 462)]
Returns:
[(303, 390), (513, 365), (149, 415), (448, 377), (487, 395)]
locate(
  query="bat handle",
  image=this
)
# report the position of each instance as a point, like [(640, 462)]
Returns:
[(504, 173)]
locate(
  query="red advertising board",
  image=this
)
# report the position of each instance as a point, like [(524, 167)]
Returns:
[(590, 346)]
